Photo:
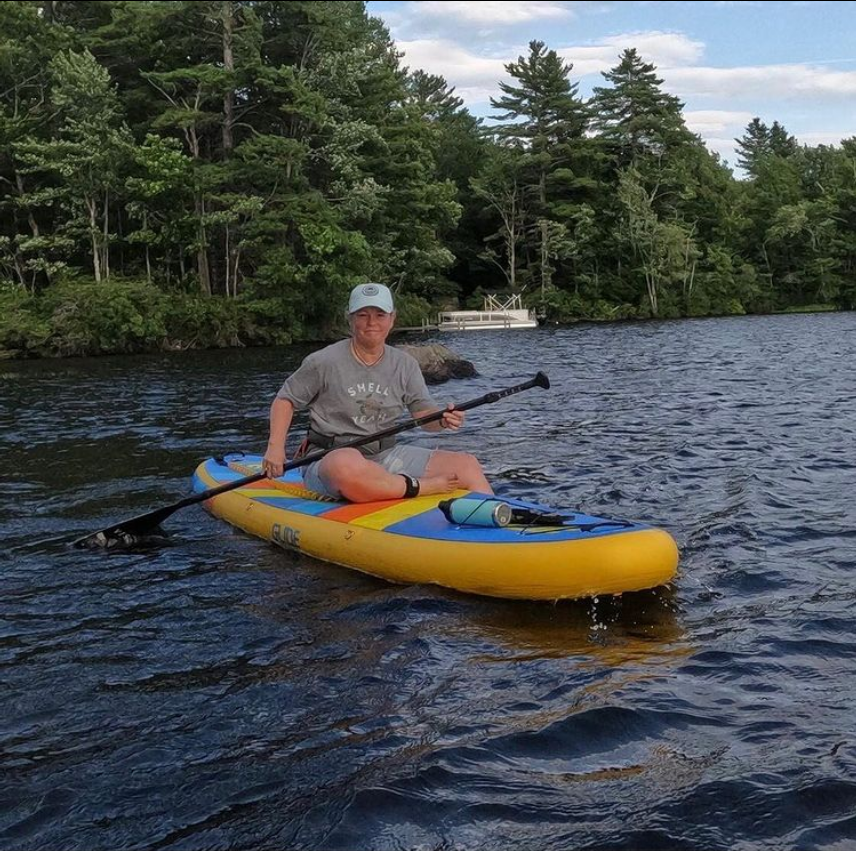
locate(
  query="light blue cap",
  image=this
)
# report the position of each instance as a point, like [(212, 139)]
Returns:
[(370, 295)]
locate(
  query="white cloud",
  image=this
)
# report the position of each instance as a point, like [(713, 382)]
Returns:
[(488, 19), (659, 48), (762, 82), (490, 13), (725, 147), (824, 138), (474, 77), (707, 122)]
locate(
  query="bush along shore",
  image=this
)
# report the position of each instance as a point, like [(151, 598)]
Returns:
[(82, 318)]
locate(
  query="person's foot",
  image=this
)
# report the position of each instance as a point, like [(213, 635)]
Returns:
[(444, 483)]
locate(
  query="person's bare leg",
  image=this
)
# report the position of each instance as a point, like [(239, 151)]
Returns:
[(361, 480), (466, 467)]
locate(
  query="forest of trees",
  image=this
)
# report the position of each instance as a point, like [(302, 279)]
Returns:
[(177, 174)]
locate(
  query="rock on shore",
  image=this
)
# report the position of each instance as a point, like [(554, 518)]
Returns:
[(439, 364)]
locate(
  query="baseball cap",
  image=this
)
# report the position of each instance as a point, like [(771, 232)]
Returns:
[(370, 295)]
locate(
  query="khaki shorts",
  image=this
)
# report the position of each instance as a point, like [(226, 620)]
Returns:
[(402, 458)]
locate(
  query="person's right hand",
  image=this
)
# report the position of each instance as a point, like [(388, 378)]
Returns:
[(273, 462)]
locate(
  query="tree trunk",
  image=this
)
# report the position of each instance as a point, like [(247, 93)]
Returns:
[(105, 239), (235, 266), (202, 266), (512, 242), (545, 259), (512, 262), (545, 240), (93, 234), (228, 257), (49, 10), (34, 225), (229, 66), (19, 271), (202, 250), (148, 257), (651, 282), (34, 229)]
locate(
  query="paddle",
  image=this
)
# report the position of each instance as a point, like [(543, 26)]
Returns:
[(142, 524)]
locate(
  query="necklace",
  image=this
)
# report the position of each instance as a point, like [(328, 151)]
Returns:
[(362, 360)]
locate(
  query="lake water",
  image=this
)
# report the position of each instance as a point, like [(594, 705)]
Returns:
[(222, 693)]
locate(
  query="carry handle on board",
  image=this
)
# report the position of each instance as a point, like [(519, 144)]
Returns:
[(142, 524)]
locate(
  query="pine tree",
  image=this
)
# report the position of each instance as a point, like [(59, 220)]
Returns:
[(761, 141), (635, 117), (550, 138)]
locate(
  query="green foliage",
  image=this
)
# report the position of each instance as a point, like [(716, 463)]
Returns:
[(270, 321), (811, 308), (549, 175), (411, 310), (636, 118), (761, 142), (90, 319), (227, 171), (194, 321), (22, 331), (79, 317), (565, 307)]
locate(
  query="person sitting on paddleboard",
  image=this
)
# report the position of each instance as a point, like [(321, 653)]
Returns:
[(357, 387)]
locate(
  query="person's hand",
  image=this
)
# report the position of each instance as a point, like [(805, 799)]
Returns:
[(273, 462), (451, 418)]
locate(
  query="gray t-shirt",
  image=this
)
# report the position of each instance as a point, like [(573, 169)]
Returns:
[(348, 399)]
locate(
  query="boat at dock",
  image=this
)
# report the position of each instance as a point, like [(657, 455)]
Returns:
[(498, 312)]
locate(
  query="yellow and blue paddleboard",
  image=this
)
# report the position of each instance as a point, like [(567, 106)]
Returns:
[(411, 541)]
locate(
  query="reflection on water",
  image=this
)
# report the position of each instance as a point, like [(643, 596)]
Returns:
[(221, 692), (610, 630)]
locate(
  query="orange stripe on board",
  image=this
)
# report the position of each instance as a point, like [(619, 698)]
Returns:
[(355, 510)]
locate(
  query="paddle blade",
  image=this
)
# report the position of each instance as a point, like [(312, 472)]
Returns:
[(127, 533)]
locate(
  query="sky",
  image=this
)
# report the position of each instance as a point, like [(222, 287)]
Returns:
[(728, 62)]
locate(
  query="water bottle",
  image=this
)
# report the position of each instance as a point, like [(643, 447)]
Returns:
[(472, 511)]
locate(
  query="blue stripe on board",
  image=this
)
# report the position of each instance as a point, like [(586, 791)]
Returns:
[(295, 504), (434, 526)]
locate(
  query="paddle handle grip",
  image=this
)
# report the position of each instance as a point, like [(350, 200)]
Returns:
[(540, 380)]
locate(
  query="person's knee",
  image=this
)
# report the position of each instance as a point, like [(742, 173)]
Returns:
[(467, 466), (471, 462), (341, 465)]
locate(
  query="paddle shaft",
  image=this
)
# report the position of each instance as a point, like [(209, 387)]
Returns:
[(147, 522)]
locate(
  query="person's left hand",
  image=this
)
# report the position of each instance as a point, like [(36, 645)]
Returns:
[(451, 418)]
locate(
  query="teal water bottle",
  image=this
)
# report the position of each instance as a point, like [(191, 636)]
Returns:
[(472, 511)]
